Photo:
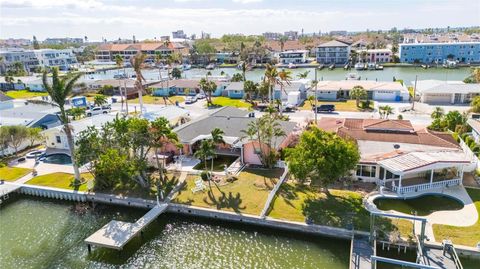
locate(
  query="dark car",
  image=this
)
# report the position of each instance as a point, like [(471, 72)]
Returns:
[(325, 108)]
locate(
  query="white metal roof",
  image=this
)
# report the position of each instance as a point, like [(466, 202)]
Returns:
[(423, 161)]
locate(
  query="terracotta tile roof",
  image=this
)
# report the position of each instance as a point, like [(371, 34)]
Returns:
[(141, 46), (401, 125)]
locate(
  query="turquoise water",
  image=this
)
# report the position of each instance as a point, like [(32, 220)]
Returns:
[(57, 158), (38, 233), (406, 73)]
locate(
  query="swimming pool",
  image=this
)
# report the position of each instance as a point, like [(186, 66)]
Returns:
[(423, 205), (57, 158)]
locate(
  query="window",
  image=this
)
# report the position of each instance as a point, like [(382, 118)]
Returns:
[(59, 140), (366, 170)]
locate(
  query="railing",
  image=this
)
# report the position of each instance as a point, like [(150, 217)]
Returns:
[(273, 192), (427, 186), (448, 246)]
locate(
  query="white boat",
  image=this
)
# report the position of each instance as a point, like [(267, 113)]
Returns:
[(378, 67), (359, 66), (450, 64), (353, 76), (210, 67), (292, 66), (371, 66), (187, 66), (331, 67)]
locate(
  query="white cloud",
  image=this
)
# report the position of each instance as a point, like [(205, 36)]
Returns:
[(247, 1)]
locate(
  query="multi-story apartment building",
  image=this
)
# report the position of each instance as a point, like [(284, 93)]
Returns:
[(64, 40), (463, 52), (293, 56), (63, 59), (26, 57), (291, 35), (179, 34), (375, 55), (108, 52), (272, 36), (15, 42), (333, 52)]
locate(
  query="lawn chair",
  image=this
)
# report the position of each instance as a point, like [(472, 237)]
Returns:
[(199, 186)]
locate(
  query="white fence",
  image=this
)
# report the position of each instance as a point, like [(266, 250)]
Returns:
[(427, 186), (475, 162)]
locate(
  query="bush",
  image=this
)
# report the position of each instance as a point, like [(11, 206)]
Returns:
[(205, 175), (365, 104), (400, 117), (231, 179), (456, 137), (464, 136), (475, 148), (468, 140)]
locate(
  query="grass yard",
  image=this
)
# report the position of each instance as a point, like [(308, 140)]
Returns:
[(13, 173), (60, 180), (218, 163), (24, 94), (248, 194), (225, 101), (468, 236), (158, 100), (349, 105), (337, 208)]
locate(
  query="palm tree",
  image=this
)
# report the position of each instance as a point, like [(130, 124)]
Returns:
[(119, 63), (207, 87), (99, 100), (137, 63), (205, 151), (59, 91), (282, 41), (244, 70), (385, 111), (217, 138), (272, 78), (437, 113), (250, 88), (303, 75), (358, 93)]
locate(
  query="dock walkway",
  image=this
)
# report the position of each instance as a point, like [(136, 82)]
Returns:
[(360, 254), (435, 257), (116, 234)]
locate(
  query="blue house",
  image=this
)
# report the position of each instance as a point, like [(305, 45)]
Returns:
[(183, 87), (235, 90), (463, 52)]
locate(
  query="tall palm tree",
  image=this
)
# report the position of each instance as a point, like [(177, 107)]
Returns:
[(437, 113), (244, 70), (282, 41), (358, 93), (208, 87), (285, 78), (217, 138), (59, 91), (385, 111), (272, 78), (250, 88), (137, 63), (119, 63), (205, 151)]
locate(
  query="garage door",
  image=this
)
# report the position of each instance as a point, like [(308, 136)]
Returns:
[(438, 98)]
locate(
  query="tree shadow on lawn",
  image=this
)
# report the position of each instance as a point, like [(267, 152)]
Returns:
[(290, 192), (231, 201)]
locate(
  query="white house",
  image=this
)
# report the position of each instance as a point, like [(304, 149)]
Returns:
[(174, 114), (376, 55), (293, 56), (446, 92), (376, 90), (63, 59)]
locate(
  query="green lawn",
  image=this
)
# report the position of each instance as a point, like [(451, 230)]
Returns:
[(24, 94), (225, 101), (13, 173), (337, 208), (60, 180), (218, 163), (468, 236), (248, 194), (349, 105), (423, 206), (158, 100)]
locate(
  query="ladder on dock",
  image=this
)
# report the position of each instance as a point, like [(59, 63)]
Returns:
[(445, 258), (361, 251)]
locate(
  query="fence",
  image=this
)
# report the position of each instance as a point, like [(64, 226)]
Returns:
[(427, 186)]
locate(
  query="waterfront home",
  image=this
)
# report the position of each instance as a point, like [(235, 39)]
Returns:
[(235, 90), (294, 88), (10, 56), (31, 115), (232, 121), (333, 52), (120, 84), (6, 102), (293, 56), (446, 92), (31, 83), (108, 52), (174, 114), (376, 55), (438, 53), (55, 137), (376, 90), (184, 87), (475, 125), (64, 59), (397, 156)]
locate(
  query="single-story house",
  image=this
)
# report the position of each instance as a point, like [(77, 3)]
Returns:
[(395, 155), (6, 102), (232, 121), (31, 115), (184, 87), (174, 114), (290, 89), (376, 90), (118, 84), (31, 83), (235, 90), (55, 137), (446, 92)]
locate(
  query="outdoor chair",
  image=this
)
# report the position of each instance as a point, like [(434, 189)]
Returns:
[(199, 186)]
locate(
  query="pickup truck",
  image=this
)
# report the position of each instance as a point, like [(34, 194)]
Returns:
[(98, 110)]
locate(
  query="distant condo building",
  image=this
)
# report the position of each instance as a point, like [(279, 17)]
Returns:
[(376, 55), (338, 33), (272, 36), (333, 52), (15, 42), (291, 35), (293, 56), (26, 57), (179, 34), (107, 52), (66, 40), (63, 59)]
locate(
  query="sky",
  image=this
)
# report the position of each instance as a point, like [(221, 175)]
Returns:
[(146, 19)]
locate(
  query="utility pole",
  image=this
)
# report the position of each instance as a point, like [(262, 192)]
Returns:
[(414, 92), (316, 87)]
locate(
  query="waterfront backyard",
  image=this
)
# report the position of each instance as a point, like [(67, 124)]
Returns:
[(13, 173)]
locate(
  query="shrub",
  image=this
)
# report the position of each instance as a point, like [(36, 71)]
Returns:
[(475, 148), (365, 104), (456, 137), (400, 117), (205, 175), (469, 141), (464, 136), (231, 179)]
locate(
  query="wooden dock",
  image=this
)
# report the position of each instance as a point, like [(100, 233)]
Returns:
[(116, 234), (436, 258), (6, 188), (360, 253)]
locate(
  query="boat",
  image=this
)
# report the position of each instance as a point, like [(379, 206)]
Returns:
[(450, 64), (346, 67), (378, 67), (331, 67), (353, 76), (320, 67), (360, 66), (120, 76), (210, 67), (292, 66), (371, 66), (187, 66), (425, 66)]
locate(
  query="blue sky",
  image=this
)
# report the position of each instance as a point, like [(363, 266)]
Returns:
[(150, 18)]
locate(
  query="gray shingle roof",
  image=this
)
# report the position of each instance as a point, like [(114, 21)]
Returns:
[(4, 97)]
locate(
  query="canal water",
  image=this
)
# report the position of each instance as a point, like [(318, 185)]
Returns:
[(405, 73), (39, 233)]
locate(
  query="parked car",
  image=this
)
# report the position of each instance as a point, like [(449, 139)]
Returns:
[(21, 160), (190, 99), (35, 154), (325, 108), (98, 110), (201, 96)]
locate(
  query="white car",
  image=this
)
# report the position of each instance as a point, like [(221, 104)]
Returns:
[(98, 110), (190, 99), (201, 96)]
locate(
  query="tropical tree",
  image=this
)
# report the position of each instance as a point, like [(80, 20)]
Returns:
[(243, 65), (217, 138), (285, 78), (34, 135), (475, 105), (282, 41), (208, 87), (272, 78), (322, 157), (76, 112), (237, 77), (59, 91), (358, 93), (176, 73), (250, 88), (385, 111), (205, 151), (14, 135), (99, 100), (263, 89), (137, 64), (303, 75), (437, 113)]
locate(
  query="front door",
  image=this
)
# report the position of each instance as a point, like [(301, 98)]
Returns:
[(458, 98)]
